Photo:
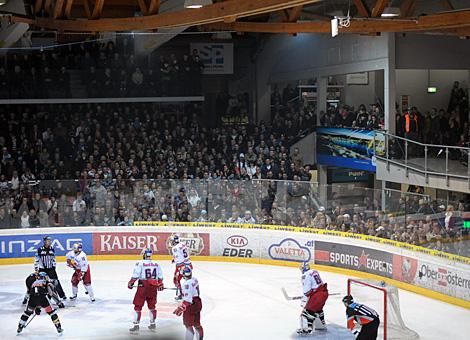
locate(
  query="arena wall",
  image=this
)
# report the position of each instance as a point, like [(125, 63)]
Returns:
[(434, 274)]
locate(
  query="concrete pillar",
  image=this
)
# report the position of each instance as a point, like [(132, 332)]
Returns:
[(322, 85), (390, 86), (322, 176)]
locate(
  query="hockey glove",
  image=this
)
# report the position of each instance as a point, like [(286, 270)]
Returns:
[(181, 308), (130, 284), (160, 286)]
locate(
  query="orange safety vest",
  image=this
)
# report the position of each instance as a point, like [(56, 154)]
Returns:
[(407, 122)]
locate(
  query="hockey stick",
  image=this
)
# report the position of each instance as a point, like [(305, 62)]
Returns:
[(29, 321), (289, 298)]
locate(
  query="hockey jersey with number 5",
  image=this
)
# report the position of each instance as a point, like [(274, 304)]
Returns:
[(180, 254)]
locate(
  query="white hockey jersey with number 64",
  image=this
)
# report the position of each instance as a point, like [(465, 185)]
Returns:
[(147, 270)]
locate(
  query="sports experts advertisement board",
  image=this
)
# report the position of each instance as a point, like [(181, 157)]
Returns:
[(357, 258)]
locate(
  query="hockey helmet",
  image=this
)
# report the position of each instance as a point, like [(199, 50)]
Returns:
[(347, 300), (43, 276), (175, 239), (146, 253), (187, 272), (77, 248), (47, 238), (305, 267)]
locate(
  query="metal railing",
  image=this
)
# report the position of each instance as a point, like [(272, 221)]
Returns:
[(430, 159)]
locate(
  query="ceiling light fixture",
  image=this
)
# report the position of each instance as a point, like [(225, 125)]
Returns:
[(391, 12), (191, 3), (3, 2)]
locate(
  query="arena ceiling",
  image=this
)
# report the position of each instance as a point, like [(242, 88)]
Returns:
[(448, 17)]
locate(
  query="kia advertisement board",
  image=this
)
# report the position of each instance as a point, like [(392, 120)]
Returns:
[(351, 257), (133, 242), (237, 246), (26, 245)]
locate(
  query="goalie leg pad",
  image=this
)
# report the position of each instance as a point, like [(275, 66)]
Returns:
[(306, 322)]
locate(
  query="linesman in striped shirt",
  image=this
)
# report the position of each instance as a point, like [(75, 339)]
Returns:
[(45, 261), (362, 316)]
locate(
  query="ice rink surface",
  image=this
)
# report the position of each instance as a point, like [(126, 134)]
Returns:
[(240, 301)]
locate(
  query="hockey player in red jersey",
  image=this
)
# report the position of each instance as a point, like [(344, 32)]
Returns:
[(181, 260), (150, 280), (191, 306), (315, 294)]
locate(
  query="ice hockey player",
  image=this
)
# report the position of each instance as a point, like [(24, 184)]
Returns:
[(45, 261), (365, 318), (38, 284), (77, 260), (181, 260), (150, 280), (191, 306), (315, 294)]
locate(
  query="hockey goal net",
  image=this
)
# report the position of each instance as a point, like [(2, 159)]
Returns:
[(384, 299)]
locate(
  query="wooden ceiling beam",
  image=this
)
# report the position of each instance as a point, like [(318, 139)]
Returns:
[(86, 8), (57, 12), (218, 12), (143, 7), (407, 8), (294, 13), (97, 9), (38, 6), (379, 8), (154, 7), (447, 5), (47, 6), (68, 8), (362, 8), (443, 21)]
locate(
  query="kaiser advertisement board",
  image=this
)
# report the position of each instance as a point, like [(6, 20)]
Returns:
[(129, 243), (351, 257)]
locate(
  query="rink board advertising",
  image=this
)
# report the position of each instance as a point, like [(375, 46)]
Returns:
[(129, 243), (348, 148), (429, 272), (357, 258), (26, 245)]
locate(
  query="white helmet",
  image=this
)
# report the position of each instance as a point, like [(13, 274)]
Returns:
[(146, 253), (175, 239), (77, 247)]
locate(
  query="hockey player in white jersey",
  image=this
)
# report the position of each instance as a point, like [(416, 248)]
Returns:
[(150, 280), (181, 260), (314, 296), (191, 306), (77, 260)]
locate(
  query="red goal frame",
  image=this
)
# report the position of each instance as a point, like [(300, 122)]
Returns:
[(383, 290)]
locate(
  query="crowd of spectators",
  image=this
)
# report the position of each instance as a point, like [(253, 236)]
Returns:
[(139, 141), (105, 70)]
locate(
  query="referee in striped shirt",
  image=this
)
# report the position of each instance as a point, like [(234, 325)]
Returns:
[(44, 261)]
